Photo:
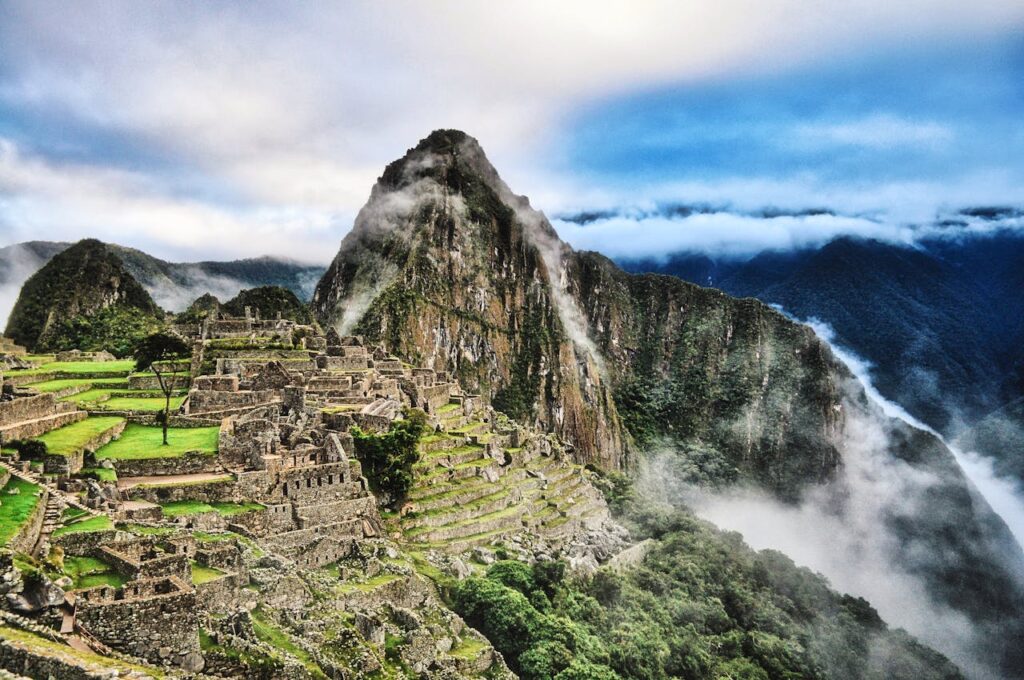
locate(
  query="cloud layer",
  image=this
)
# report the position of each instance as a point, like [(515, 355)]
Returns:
[(239, 129)]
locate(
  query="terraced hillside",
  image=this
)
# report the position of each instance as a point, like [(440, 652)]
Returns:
[(473, 487)]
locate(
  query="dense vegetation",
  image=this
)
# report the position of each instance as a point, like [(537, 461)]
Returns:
[(84, 299), (388, 457), (700, 605), (941, 321), (269, 300)]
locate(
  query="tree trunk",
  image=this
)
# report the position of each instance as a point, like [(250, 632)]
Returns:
[(165, 388)]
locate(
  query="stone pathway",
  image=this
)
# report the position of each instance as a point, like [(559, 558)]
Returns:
[(126, 483)]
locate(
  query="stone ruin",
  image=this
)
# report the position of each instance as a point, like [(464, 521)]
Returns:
[(284, 443)]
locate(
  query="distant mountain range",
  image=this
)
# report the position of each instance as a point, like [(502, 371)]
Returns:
[(942, 321), (173, 285)]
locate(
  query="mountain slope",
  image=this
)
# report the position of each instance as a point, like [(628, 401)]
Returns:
[(950, 311), (173, 285), (80, 299), (448, 268)]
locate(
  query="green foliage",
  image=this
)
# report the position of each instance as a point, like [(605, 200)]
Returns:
[(270, 300), (83, 298), (114, 329), (151, 351), (202, 307), (702, 605), (388, 457)]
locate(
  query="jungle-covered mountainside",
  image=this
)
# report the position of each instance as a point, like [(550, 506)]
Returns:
[(1000, 436), (84, 297), (448, 268), (270, 301), (949, 309), (173, 285)]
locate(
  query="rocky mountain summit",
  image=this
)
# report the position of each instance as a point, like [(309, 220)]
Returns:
[(445, 265)]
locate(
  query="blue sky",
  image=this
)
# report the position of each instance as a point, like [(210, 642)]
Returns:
[(214, 131)]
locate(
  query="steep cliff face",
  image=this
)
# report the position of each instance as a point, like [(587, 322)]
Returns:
[(65, 303), (448, 267)]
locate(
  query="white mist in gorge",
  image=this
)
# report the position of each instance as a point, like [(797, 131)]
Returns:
[(843, 529)]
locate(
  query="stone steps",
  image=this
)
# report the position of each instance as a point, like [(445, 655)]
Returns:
[(444, 443), (499, 499), (471, 428), (451, 458), (470, 491), (506, 518), (468, 470)]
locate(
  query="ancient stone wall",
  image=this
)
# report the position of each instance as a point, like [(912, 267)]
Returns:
[(325, 513), (220, 595), (190, 463), (155, 619), (26, 408), (353, 363), (202, 401), (28, 534), (432, 397)]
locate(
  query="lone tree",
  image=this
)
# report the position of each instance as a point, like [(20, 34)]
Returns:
[(157, 353)]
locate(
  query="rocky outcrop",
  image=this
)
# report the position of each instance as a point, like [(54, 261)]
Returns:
[(450, 269)]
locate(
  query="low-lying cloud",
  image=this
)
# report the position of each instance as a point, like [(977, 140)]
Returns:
[(728, 231), (845, 529)]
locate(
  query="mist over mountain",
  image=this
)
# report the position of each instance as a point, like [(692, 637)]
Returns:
[(942, 321), (450, 269), (173, 285)]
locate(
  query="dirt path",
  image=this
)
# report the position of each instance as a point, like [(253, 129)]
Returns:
[(125, 483)]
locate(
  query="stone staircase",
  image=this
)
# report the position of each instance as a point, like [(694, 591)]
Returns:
[(464, 497)]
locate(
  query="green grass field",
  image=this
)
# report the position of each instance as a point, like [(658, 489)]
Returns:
[(63, 383), (123, 367), (201, 574), (71, 438), (97, 523), (185, 508), (88, 572), (16, 508), (101, 400), (100, 473), (146, 441)]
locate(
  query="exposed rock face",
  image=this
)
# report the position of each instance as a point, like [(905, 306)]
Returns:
[(77, 283), (449, 268)]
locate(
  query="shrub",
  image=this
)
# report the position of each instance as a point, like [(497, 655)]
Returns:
[(388, 457)]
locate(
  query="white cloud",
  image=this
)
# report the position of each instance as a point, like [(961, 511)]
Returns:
[(295, 109), (874, 132)]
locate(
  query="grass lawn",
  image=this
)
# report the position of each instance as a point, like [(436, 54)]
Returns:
[(97, 523), (63, 383), (88, 572), (100, 473), (146, 441), (16, 507), (148, 404), (185, 508), (71, 438), (101, 399), (123, 367), (201, 574)]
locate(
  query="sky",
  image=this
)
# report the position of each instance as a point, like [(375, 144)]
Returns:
[(220, 130)]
